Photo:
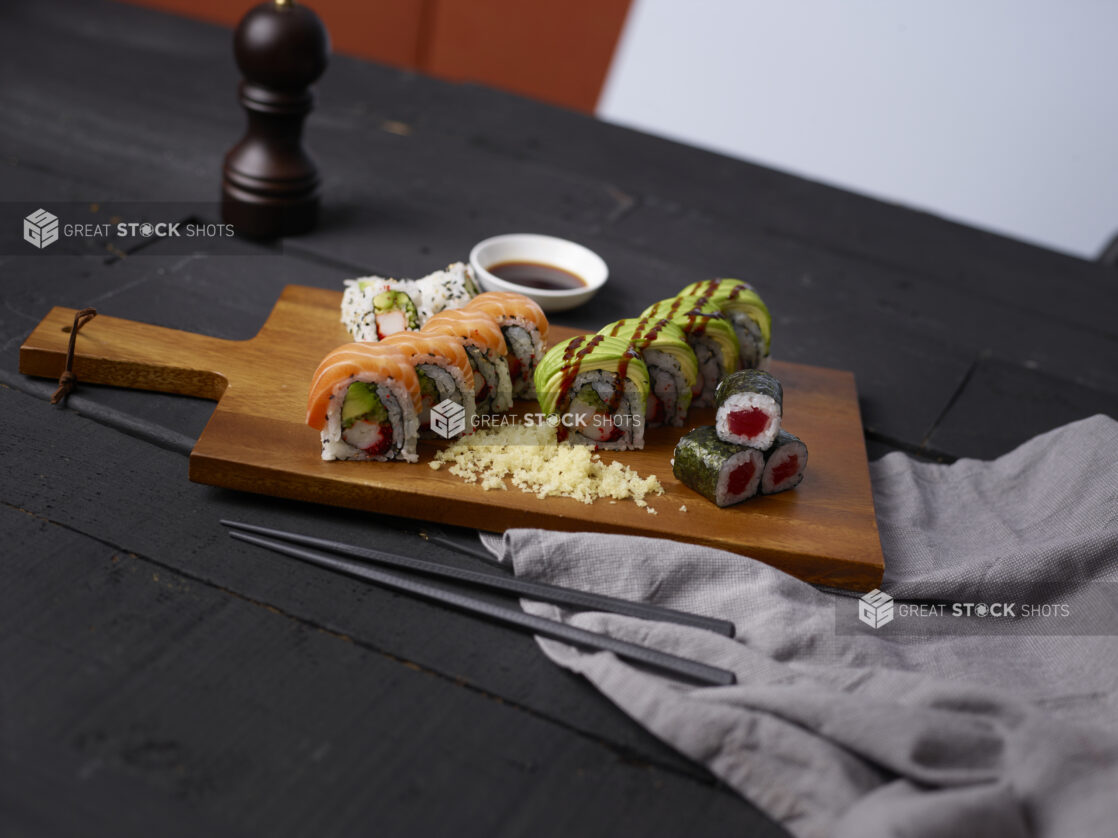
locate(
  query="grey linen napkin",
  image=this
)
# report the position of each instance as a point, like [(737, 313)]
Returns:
[(928, 726)]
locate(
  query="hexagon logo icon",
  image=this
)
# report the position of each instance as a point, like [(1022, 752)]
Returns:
[(875, 609), (448, 419), (40, 228)]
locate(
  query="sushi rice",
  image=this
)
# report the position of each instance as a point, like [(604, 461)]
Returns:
[(597, 387), (340, 443), (749, 405), (624, 428), (785, 463), (722, 472), (449, 288)]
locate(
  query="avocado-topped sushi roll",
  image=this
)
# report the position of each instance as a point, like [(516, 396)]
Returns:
[(445, 290), (672, 366), (721, 472), (374, 307), (598, 387), (748, 408), (709, 334), (481, 337), (785, 462), (739, 301), (364, 399), (524, 326), (444, 373)]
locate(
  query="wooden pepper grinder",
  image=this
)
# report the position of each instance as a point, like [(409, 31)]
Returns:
[(270, 184)]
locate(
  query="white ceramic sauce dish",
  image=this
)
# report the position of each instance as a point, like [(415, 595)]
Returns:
[(525, 260)]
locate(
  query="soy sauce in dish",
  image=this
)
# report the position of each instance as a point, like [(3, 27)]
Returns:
[(537, 275)]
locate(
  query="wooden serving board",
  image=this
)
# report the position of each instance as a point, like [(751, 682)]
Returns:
[(824, 531)]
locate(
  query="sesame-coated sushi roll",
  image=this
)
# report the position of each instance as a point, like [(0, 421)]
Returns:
[(709, 334), (525, 329), (364, 399), (446, 380), (445, 290), (739, 301), (748, 408), (672, 366), (721, 472), (374, 307), (784, 464), (481, 337), (597, 387)]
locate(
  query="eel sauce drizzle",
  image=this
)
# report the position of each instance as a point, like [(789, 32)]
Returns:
[(576, 351)]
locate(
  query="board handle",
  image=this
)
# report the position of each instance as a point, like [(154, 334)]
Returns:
[(125, 353)]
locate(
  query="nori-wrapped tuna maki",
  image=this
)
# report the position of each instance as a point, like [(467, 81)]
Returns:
[(739, 301), (784, 464), (672, 366), (748, 408), (723, 473), (597, 387), (709, 334)]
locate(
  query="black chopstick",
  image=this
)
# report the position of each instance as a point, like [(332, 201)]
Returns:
[(690, 670), (461, 548), (522, 587)]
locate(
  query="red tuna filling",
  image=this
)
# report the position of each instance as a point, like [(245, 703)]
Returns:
[(382, 445), (786, 469), (654, 410), (747, 423), (740, 477)]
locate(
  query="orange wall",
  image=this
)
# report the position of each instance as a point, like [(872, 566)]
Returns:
[(557, 51)]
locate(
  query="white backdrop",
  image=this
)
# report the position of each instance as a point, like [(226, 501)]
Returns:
[(998, 113)]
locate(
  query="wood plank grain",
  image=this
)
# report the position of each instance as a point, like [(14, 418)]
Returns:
[(824, 531), (1003, 405), (151, 703), (135, 499)]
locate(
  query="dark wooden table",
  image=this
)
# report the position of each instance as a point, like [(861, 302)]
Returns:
[(156, 679)]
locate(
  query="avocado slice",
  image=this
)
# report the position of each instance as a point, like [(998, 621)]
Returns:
[(362, 401), (426, 385)]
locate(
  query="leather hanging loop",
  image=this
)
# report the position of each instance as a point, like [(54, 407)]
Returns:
[(66, 381)]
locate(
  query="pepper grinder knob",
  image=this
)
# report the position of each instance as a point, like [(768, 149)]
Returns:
[(270, 183)]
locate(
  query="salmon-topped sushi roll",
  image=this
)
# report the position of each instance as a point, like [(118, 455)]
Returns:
[(525, 329), (481, 337), (364, 399), (446, 381)]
